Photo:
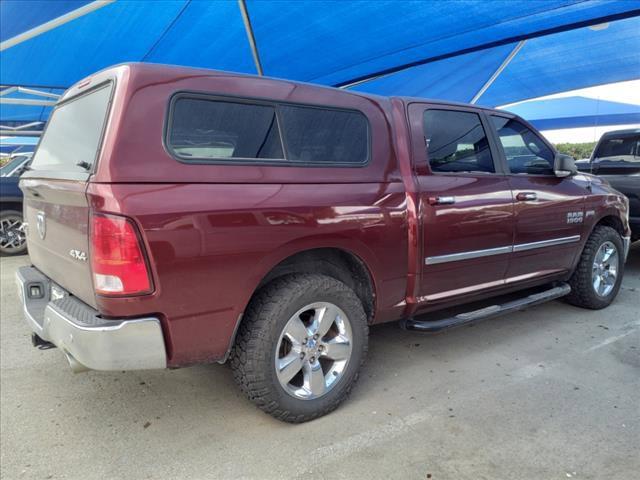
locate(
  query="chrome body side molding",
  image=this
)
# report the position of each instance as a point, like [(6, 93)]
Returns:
[(455, 257), (546, 243)]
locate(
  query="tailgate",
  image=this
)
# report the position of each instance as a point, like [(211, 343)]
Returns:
[(57, 215)]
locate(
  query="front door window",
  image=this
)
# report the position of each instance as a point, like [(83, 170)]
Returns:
[(525, 151)]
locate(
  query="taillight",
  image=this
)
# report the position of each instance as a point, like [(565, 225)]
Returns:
[(117, 261)]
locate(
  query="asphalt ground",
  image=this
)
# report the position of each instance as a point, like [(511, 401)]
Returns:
[(549, 393)]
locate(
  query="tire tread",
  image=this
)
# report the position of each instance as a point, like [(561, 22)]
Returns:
[(253, 343), (582, 294)]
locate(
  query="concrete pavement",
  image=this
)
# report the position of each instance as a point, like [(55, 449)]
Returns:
[(549, 393)]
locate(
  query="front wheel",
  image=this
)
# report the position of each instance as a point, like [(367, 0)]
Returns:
[(597, 278), (300, 346)]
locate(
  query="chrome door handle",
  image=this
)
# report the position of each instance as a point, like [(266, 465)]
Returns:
[(526, 196), (442, 200)]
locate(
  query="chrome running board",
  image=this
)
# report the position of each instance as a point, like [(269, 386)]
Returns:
[(433, 326)]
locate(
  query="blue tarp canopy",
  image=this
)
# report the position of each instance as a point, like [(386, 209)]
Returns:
[(576, 112), (18, 141), (426, 48), (12, 144)]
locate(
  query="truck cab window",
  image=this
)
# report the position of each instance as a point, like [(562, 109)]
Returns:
[(525, 151), (456, 142)]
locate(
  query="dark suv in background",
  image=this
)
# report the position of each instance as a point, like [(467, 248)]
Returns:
[(616, 158)]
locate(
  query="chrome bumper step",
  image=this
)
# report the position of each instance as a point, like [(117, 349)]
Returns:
[(433, 326), (88, 340)]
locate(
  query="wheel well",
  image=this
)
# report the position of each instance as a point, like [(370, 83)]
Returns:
[(613, 222), (333, 262)]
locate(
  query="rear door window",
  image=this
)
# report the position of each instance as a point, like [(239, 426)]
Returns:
[(71, 141), (525, 151), (456, 142)]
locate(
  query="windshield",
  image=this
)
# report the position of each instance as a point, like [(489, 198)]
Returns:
[(71, 140), (12, 168), (619, 149)]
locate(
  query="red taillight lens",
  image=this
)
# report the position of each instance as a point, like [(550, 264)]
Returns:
[(117, 261)]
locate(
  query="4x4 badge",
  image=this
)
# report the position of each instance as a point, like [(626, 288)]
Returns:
[(78, 255), (41, 224)]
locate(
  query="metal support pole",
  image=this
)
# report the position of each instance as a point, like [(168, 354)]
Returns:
[(8, 90), (20, 133), (27, 101), (497, 73), (25, 126), (56, 22), (250, 36), (38, 93)]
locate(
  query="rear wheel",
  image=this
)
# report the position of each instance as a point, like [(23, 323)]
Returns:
[(300, 346), (12, 237), (597, 278)]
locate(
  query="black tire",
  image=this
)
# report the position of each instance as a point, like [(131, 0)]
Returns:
[(253, 356), (5, 249), (583, 293)]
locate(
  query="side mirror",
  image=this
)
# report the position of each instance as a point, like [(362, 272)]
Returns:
[(564, 166)]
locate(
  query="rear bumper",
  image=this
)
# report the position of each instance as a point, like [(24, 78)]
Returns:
[(88, 341)]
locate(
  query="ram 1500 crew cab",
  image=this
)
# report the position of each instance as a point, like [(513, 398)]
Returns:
[(179, 216)]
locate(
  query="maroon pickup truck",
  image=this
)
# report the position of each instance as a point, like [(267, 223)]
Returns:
[(179, 216)]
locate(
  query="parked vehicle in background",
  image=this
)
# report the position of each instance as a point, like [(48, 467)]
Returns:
[(181, 216), (12, 235), (616, 158), (16, 164)]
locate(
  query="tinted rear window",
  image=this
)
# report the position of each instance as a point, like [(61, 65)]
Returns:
[(205, 130), (73, 133), (317, 135)]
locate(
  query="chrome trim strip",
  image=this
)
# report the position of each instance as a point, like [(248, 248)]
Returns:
[(522, 247), (455, 257), (546, 243)]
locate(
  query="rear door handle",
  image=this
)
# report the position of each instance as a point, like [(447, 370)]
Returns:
[(442, 200), (526, 196)]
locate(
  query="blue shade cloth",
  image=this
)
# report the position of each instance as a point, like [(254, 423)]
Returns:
[(554, 63), (334, 43), (17, 141), (457, 78), (574, 112), (17, 17), (27, 113), (570, 60), (120, 32), (24, 113)]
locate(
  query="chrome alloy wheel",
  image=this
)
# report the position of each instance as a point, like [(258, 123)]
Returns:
[(12, 237), (605, 269), (313, 350)]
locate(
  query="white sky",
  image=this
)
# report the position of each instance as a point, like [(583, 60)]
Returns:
[(625, 92)]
